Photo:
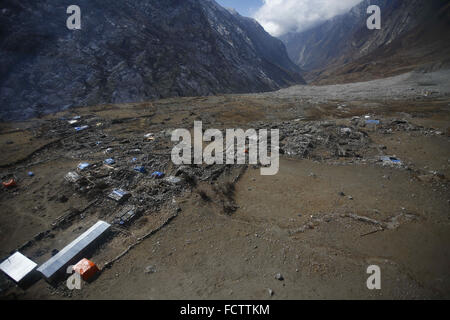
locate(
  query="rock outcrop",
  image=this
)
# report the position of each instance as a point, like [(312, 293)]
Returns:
[(131, 51), (413, 33)]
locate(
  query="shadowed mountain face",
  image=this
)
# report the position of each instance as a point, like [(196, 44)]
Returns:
[(413, 33), (131, 51)]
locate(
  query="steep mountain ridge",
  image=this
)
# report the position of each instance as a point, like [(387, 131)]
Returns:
[(343, 49), (131, 51)]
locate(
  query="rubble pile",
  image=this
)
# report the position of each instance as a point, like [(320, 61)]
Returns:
[(328, 140), (124, 175), (320, 140), (389, 126)]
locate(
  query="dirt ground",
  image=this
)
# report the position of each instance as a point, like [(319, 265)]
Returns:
[(319, 222)]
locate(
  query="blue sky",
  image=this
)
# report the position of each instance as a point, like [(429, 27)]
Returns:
[(244, 7)]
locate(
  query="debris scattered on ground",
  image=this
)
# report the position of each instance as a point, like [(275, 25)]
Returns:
[(173, 180), (109, 161), (279, 277), (432, 177), (346, 130), (126, 215), (119, 195), (10, 183), (83, 165), (367, 220), (390, 161), (150, 269), (140, 169), (158, 174), (346, 141), (82, 128), (72, 177)]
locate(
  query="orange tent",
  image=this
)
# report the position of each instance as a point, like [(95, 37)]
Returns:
[(86, 269)]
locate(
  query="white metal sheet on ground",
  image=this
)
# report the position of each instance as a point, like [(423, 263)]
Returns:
[(17, 266), (62, 258)]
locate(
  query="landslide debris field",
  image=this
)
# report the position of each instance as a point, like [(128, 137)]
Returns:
[(363, 180)]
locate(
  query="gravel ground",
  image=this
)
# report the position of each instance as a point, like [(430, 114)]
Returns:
[(408, 86)]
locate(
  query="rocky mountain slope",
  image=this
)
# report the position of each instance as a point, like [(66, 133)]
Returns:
[(131, 51), (343, 49)]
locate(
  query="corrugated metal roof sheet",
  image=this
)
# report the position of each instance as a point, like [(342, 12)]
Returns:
[(64, 257), (17, 266)]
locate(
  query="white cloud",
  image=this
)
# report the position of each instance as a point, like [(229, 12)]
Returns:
[(281, 16)]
